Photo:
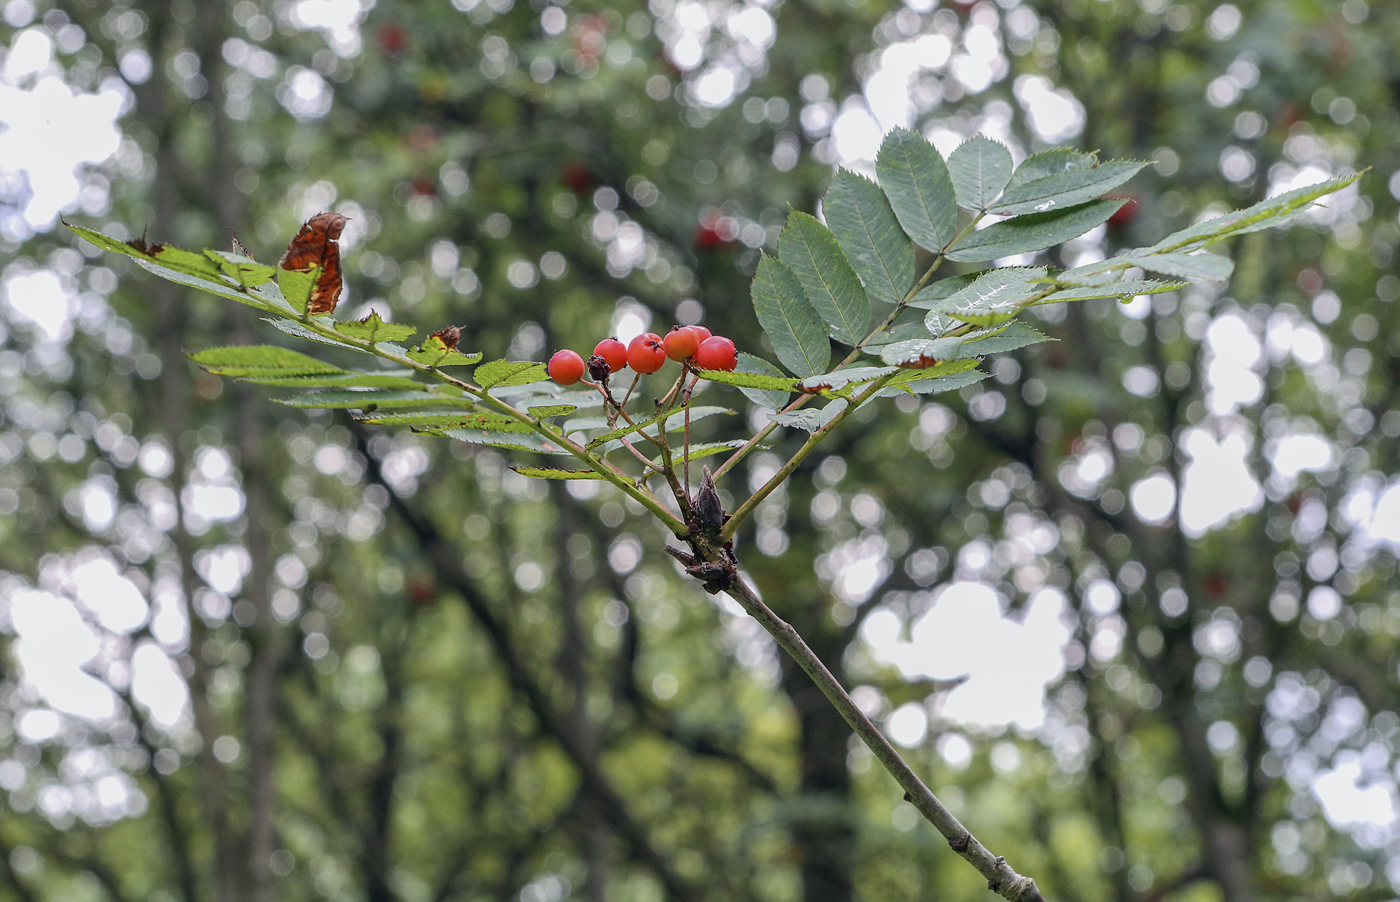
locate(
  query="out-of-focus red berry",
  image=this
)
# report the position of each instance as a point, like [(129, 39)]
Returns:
[(614, 352), (681, 343), (707, 238), (715, 231), (645, 354), (576, 176), (422, 592), (1124, 215), (566, 367), (717, 353), (392, 38)]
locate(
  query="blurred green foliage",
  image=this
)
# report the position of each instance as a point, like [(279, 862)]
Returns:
[(438, 680)]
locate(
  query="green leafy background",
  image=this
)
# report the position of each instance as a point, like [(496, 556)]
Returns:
[(444, 679)]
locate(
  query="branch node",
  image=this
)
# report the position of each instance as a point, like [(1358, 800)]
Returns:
[(960, 842)]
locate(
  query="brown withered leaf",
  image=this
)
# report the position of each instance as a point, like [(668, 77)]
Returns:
[(316, 245), (449, 336), (239, 249), (140, 245)]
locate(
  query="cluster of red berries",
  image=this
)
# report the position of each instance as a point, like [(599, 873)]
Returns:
[(647, 353)]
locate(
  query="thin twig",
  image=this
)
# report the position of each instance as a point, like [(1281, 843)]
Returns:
[(1001, 878)]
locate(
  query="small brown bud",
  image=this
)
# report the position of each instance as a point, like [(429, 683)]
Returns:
[(709, 513)]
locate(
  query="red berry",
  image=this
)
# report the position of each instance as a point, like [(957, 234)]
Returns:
[(566, 367), (614, 352), (717, 353), (575, 174), (393, 39), (681, 343), (700, 331), (645, 354), (1125, 214)]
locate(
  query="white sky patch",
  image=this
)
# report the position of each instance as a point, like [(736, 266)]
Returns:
[(337, 20), (53, 646), (1153, 498), (1348, 800), (753, 25), (887, 90), (158, 686), (37, 296), (1008, 664), (1054, 113), (629, 320), (1235, 351), (112, 599), (48, 134), (212, 493), (304, 93), (1375, 511), (856, 133), (1218, 482), (908, 725), (1300, 453), (716, 87)]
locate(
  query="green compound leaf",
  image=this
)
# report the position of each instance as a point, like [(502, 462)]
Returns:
[(916, 180), (1192, 267), (349, 379), (552, 473), (1067, 188), (930, 297), (921, 353), (491, 422), (810, 419), (260, 361), (1047, 163), (296, 286), (585, 424), (900, 332), (374, 329), (991, 293), (1034, 231), (185, 268), (509, 372), (760, 381), (705, 449), (552, 410), (115, 245), (1126, 289), (436, 352), (755, 372), (865, 226), (980, 169), (372, 399), (518, 441), (811, 251), (672, 417), (300, 330), (1263, 215), (241, 268), (788, 317), (1014, 335), (442, 419), (841, 380), (985, 317), (945, 377)]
